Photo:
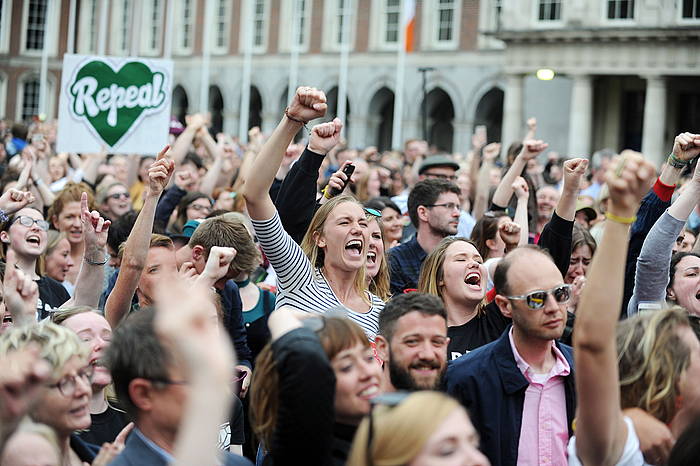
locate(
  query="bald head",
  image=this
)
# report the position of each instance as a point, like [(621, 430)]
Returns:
[(523, 265)]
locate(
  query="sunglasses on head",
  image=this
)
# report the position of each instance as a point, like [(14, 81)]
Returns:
[(373, 212), (391, 399), (537, 299)]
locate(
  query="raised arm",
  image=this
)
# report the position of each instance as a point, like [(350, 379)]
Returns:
[(184, 141), (136, 249), (483, 186), (574, 170), (600, 428), (308, 104), (504, 191), (217, 154), (296, 200), (522, 194), (88, 286)]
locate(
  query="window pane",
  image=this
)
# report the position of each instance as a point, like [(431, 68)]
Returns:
[(30, 99), (36, 24), (186, 41), (124, 27), (549, 10), (691, 9)]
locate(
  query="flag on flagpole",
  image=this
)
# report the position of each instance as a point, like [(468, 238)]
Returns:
[(409, 23)]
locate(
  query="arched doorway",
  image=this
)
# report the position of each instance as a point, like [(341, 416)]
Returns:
[(489, 113), (381, 117), (255, 107), (332, 100), (441, 113), (216, 108), (180, 103)]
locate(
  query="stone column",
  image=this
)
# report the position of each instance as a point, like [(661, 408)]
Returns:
[(581, 117), (655, 120), (512, 111)]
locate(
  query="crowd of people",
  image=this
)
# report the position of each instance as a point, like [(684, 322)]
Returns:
[(293, 300)]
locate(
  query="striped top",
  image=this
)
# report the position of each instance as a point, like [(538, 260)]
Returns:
[(301, 286)]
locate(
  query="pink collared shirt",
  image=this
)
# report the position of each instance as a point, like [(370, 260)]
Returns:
[(544, 433)]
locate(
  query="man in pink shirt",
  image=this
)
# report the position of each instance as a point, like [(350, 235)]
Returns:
[(519, 389)]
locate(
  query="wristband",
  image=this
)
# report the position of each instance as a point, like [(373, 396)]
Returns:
[(3, 216), (675, 162), (303, 123), (622, 220), (326, 192), (106, 259)]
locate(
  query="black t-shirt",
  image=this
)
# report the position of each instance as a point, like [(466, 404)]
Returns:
[(233, 432), (104, 426), (484, 328), (52, 294)]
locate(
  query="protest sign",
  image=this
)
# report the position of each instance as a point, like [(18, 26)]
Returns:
[(121, 103)]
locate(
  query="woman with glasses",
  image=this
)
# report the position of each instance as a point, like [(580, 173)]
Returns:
[(455, 272), (312, 386), (63, 402), (114, 200), (192, 206), (329, 268), (419, 429)]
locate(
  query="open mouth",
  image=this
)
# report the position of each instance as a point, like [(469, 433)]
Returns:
[(371, 257), (7, 319), (34, 239), (354, 247), (473, 279)]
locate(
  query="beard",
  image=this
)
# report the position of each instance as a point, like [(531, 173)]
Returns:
[(402, 379)]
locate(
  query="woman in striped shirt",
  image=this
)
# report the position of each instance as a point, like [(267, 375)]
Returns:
[(328, 270)]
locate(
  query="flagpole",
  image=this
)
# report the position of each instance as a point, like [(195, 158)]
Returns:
[(247, 62), (102, 37), (344, 56), (204, 76), (294, 51), (70, 45), (400, 75), (43, 72)]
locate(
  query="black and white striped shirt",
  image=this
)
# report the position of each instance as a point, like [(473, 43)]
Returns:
[(300, 285)]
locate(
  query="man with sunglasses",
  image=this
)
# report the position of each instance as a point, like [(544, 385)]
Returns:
[(519, 389), (434, 208)]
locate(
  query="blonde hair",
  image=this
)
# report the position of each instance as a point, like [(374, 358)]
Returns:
[(53, 238), (58, 344), (338, 334), (401, 432), (651, 359), (316, 255), (380, 284)]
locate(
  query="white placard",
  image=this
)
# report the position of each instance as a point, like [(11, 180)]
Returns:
[(121, 103)]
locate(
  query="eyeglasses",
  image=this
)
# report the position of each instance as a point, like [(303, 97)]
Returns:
[(67, 384), (391, 400), (536, 299), (448, 206), (119, 196), (29, 222), (373, 212), (200, 208), (440, 176)]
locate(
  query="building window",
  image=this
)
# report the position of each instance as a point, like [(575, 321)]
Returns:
[(303, 17), (691, 9), (36, 25), (299, 24), (153, 20), (445, 20), (342, 12), (549, 10), (335, 13), (30, 99), (391, 21), (221, 32), (121, 19), (87, 36), (259, 24), (184, 31), (620, 9)]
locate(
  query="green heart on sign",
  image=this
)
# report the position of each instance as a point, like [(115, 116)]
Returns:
[(113, 102)]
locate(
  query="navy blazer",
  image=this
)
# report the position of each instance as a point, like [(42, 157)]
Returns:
[(488, 382), (137, 453)]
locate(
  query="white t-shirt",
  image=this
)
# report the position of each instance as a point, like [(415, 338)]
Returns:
[(631, 454)]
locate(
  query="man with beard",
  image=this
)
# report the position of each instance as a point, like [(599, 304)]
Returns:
[(412, 341), (519, 389), (434, 208)]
